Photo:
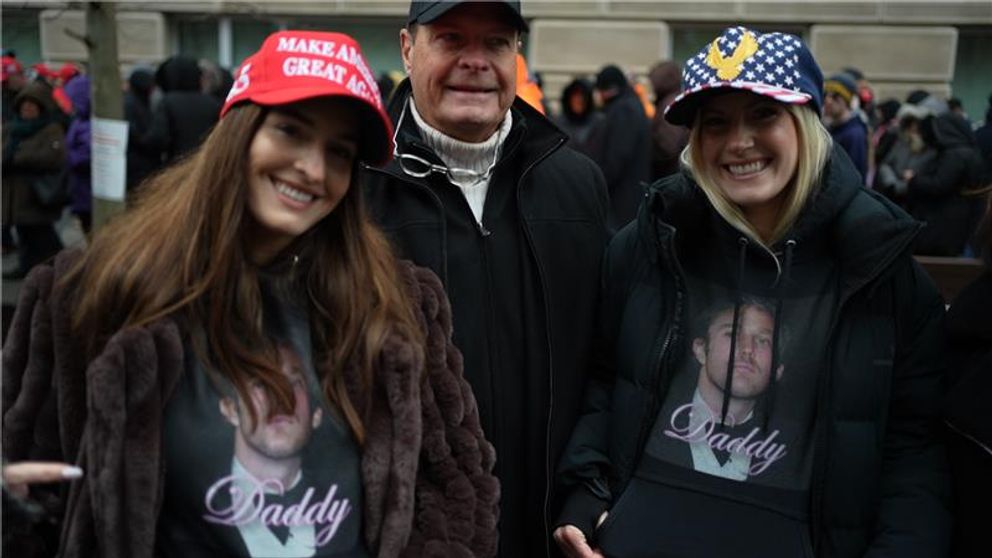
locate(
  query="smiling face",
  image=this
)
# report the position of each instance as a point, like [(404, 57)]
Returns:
[(462, 68), (749, 147), (753, 353), (300, 165)]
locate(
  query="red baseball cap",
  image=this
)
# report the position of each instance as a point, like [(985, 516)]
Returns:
[(43, 70), (10, 66), (297, 65)]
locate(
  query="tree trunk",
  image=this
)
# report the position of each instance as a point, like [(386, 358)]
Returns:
[(105, 76)]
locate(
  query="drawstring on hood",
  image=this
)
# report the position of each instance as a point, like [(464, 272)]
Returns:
[(728, 387), (777, 330), (782, 280)]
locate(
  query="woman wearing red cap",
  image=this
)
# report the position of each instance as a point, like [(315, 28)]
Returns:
[(770, 372), (239, 364)]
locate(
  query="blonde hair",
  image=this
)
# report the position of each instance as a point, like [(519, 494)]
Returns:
[(815, 144)]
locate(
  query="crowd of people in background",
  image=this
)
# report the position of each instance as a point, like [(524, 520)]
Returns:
[(47, 142), (510, 327), (924, 152)]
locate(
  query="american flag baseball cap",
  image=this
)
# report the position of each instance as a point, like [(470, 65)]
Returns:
[(776, 65)]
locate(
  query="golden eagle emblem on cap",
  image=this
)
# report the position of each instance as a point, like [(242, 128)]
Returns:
[(729, 67)]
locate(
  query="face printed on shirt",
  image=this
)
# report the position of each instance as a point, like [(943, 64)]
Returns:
[(753, 353), (276, 437)]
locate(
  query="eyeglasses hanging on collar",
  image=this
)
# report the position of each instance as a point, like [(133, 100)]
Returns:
[(418, 167)]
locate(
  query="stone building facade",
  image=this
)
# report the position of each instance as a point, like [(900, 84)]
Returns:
[(944, 47)]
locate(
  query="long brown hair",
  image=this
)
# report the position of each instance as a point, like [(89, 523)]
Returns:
[(180, 252)]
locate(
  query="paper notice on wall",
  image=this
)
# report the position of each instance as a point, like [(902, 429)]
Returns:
[(109, 163)]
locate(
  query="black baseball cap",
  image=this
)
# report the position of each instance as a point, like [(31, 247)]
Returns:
[(426, 12)]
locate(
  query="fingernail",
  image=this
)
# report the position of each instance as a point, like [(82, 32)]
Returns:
[(72, 473)]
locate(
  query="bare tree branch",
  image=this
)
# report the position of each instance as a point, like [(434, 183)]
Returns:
[(81, 38)]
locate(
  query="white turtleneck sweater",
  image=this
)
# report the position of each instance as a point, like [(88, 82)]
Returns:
[(459, 154)]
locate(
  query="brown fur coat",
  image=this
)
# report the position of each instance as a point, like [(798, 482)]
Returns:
[(426, 467)]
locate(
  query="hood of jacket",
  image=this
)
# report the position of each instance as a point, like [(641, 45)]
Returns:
[(39, 92), (585, 88), (950, 130), (179, 73), (666, 79), (862, 230), (141, 82), (78, 91)]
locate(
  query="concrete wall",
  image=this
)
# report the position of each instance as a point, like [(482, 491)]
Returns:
[(140, 36), (899, 45)]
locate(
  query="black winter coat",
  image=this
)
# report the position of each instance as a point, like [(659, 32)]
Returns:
[(561, 231), (968, 415), (934, 194), (624, 154), (880, 484), (426, 467), (180, 123)]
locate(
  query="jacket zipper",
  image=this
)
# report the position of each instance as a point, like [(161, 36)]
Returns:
[(670, 326), (547, 333), (969, 437)]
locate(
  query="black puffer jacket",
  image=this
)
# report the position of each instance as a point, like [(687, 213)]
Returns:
[(879, 485), (968, 415), (934, 194)]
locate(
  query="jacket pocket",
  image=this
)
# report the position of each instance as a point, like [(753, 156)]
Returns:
[(617, 510)]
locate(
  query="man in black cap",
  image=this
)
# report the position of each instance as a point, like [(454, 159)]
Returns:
[(483, 191), (624, 142)]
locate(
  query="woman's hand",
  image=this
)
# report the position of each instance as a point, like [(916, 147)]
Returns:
[(17, 476), (573, 542)]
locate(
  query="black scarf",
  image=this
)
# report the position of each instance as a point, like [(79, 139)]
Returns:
[(19, 130)]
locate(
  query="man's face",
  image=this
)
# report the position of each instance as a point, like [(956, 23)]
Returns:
[(279, 436), (462, 67), (834, 106), (753, 360)]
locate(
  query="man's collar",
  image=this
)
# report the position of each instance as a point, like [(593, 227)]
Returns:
[(241, 475)]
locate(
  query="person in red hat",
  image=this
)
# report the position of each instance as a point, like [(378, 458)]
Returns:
[(162, 341), (13, 80)]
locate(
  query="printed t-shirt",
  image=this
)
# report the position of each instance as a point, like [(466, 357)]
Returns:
[(289, 487), (717, 485)]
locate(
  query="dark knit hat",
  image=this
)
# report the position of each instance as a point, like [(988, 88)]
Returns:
[(610, 77), (841, 84)]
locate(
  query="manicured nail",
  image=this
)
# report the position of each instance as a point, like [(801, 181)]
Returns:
[(72, 473)]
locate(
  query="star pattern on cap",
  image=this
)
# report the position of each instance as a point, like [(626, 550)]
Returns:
[(774, 64)]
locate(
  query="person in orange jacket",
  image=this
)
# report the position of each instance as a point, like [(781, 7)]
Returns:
[(527, 88)]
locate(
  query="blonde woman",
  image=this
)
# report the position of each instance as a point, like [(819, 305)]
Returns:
[(770, 366)]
